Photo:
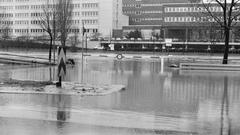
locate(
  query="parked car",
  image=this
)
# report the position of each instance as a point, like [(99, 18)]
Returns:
[(124, 38), (98, 47)]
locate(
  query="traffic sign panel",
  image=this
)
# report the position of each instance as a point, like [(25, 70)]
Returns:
[(61, 62), (168, 41)]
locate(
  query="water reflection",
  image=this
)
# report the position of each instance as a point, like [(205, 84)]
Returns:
[(210, 100), (62, 103), (225, 119)]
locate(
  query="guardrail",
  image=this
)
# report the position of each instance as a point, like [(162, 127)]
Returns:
[(203, 66), (163, 42)]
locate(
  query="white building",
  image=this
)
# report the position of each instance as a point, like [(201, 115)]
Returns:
[(111, 16), (98, 16)]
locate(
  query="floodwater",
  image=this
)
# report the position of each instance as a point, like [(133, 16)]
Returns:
[(156, 101)]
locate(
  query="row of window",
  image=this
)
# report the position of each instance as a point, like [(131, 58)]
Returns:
[(85, 21), (142, 12), (90, 13), (36, 22), (5, 15), (21, 0), (6, 22), (41, 30), (6, 0), (90, 22), (90, 5), (13, 0), (193, 9), (84, 13), (142, 5), (6, 7), (6, 30), (188, 19), (22, 7), (26, 7), (146, 19)]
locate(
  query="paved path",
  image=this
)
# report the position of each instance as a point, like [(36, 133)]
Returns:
[(42, 57), (14, 58)]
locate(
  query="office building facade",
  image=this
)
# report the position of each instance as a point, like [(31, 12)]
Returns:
[(18, 17), (176, 19), (146, 15)]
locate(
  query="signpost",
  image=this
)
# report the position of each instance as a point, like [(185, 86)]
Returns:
[(61, 65), (168, 42)]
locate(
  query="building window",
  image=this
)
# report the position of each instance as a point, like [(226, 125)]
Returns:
[(138, 13), (138, 6)]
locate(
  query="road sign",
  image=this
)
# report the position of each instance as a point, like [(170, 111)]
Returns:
[(61, 62), (168, 41)]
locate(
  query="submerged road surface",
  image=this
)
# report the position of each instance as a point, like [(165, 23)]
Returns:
[(155, 101)]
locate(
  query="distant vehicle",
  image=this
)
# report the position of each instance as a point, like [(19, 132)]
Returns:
[(146, 38), (175, 39), (100, 39), (98, 47), (132, 39), (113, 39), (154, 38), (124, 38), (93, 39), (111, 46), (106, 38), (139, 39), (118, 39), (160, 39)]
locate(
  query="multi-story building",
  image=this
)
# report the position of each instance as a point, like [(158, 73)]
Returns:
[(176, 19), (146, 15), (97, 16)]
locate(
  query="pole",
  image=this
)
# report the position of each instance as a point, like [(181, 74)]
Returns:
[(86, 42), (54, 59), (59, 82), (162, 65), (82, 58)]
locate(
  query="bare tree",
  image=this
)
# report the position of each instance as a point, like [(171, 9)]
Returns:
[(55, 20), (74, 41), (47, 21), (5, 25), (6, 31), (223, 12), (64, 19)]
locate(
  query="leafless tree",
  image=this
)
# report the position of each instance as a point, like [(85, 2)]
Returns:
[(64, 19), (224, 13), (47, 21), (5, 25), (5, 31), (55, 20), (74, 41)]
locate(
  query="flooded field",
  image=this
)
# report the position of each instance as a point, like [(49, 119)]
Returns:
[(155, 101)]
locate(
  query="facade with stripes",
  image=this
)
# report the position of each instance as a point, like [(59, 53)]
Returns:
[(20, 17), (176, 19)]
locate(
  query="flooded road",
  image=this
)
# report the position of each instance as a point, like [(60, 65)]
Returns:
[(155, 101)]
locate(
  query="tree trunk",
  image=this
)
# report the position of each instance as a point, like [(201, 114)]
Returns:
[(50, 49), (225, 57)]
